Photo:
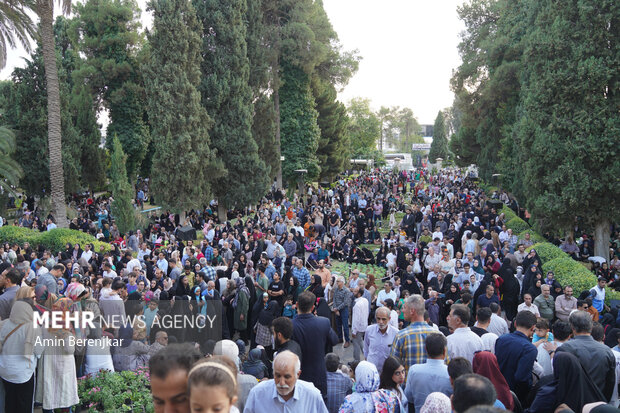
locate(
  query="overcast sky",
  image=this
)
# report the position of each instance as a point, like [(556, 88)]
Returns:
[(408, 50)]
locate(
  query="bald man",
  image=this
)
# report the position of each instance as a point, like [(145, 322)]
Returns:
[(378, 338), (285, 392)]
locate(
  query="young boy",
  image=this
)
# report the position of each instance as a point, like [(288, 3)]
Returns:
[(541, 332), (289, 309)]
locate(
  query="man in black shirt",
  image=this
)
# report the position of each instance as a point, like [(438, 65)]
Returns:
[(282, 330), (276, 289), (483, 318)]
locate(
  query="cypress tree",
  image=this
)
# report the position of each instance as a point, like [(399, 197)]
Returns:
[(299, 128), (183, 165), (122, 208), (227, 97), (439, 147)]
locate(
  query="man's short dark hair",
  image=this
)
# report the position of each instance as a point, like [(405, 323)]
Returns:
[(58, 267), (461, 311), (305, 301), (485, 409), (14, 276), (561, 330), (173, 357), (332, 361), (459, 366), (525, 319), (118, 285), (472, 390), (597, 333), (494, 307), (284, 326), (435, 344), (483, 314)]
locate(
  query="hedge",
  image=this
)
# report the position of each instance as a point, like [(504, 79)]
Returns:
[(547, 251), (517, 225), (508, 212), (535, 237), (54, 240), (568, 271)]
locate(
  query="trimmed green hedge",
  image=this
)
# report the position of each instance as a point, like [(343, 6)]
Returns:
[(568, 271), (535, 237), (54, 240), (517, 225), (547, 251), (509, 213)]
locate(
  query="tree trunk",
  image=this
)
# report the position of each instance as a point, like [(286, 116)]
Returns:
[(601, 239), (45, 11), (221, 212)]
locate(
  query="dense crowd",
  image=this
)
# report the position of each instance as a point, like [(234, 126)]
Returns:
[(452, 304)]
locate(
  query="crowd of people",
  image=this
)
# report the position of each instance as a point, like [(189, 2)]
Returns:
[(458, 313)]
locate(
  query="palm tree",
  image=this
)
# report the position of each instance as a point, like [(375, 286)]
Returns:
[(45, 11), (15, 27), (10, 171)]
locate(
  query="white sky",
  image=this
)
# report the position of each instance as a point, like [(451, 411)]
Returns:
[(408, 49)]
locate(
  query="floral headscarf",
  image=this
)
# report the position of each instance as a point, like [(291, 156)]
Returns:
[(367, 396), (64, 286), (437, 402)]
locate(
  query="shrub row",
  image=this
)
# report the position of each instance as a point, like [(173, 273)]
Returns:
[(54, 240)]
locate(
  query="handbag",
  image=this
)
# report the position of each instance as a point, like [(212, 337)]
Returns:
[(416, 266)]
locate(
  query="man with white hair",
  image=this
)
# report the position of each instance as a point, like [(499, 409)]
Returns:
[(245, 382), (285, 392)]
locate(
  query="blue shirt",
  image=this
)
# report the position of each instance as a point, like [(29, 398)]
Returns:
[(264, 398), (302, 275), (338, 386), (424, 379), (515, 356)]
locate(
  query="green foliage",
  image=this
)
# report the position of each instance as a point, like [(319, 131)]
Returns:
[(439, 147), (183, 163), (517, 225), (569, 272), (264, 132), (333, 121), (107, 33), (116, 391), (547, 251), (227, 97), (122, 207), (54, 240), (508, 213), (10, 171), (535, 237), (299, 128), (365, 126)]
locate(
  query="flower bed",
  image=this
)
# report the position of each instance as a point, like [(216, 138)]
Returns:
[(125, 391)]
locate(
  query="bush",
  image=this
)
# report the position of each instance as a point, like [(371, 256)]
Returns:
[(125, 391), (535, 237), (517, 225), (509, 213), (568, 271), (547, 251), (54, 240)]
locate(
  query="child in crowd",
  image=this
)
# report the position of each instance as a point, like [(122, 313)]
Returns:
[(106, 289), (289, 309), (132, 285), (212, 385), (541, 332)]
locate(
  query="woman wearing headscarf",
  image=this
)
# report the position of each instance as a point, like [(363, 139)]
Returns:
[(241, 306), (316, 287), (571, 385), (263, 327), (528, 277), (56, 375), (182, 288), (254, 365), (510, 289), (437, 402), (367, 397), (478, 269), (18, 357), (485, 364), (130, 354), (77, 292), (452, 296), (62, 286)]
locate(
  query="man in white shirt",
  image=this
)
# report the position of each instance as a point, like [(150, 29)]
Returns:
[(528, 305), (462, 342), (87, 254), (133, 263), (143, 251), (437, 234), (498, 325), (108, 272), (359, 322), (503, 235), (378, 338), (385, 294)]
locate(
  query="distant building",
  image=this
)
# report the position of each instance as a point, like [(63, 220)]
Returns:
[(426, 130)]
